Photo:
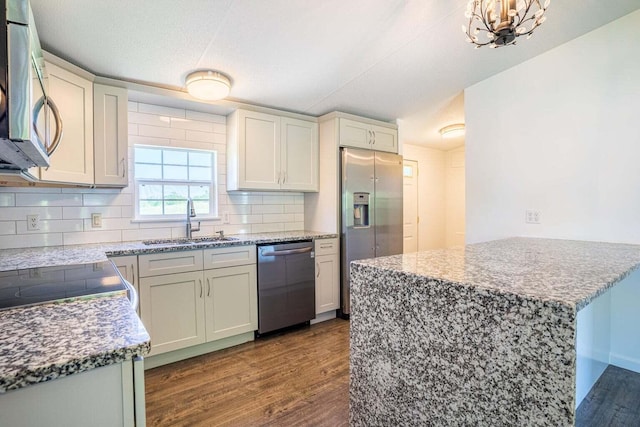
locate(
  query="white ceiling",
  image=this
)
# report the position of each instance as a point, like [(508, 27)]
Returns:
[(385, 59)]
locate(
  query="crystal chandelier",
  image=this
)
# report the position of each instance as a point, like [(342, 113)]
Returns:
[(497, 23)]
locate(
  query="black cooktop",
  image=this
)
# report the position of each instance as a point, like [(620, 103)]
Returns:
[(47, 284)]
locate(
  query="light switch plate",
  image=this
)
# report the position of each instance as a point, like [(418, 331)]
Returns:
[(96, 220)]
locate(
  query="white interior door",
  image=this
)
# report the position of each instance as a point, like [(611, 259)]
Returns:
[(410, 205)]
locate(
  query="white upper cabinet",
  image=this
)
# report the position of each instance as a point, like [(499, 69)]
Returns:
[(369, 136), (269, 152), (299, 154), (110, 123), (72, 162)]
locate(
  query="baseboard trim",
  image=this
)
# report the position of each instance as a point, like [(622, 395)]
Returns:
[(196, 350), (624, 362), (323, 317)]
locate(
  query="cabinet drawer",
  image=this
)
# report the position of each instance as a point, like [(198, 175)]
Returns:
[(229, 257), (169, 263), (327, 246)]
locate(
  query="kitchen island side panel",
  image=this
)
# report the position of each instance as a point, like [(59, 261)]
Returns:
[(429, 352)]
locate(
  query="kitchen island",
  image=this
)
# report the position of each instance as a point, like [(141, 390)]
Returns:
[(480, 335)]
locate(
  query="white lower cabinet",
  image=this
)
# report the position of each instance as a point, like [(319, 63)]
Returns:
[(172, 308), (185, 308), (327, 275), (101, 397), (231, 306)]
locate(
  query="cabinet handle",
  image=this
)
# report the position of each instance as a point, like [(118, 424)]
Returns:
[(317, 270), (208, 287), (373, 135), (123, 169), (200, 280), (284, 179), (279, 177), (133, 275)]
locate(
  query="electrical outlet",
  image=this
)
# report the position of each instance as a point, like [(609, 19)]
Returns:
[(532, 217), (225, 217), (96, 220), (33, 222)]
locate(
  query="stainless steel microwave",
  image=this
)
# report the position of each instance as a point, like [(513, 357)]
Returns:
[(27, 113)]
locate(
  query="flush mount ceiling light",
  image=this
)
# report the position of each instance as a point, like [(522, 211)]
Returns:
[(208, 85), (497, 23), (452, 131)]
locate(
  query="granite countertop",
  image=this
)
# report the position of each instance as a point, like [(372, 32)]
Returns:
[(11, 259), (44, 342), (569, 272)]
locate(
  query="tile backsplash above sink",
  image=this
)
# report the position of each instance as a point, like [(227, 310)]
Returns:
[(65, 213)]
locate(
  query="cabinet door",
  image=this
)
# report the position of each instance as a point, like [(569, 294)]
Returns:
[(259, 151), (385, 139), (110, 135), (128, 267), (299, 147), (231, 301), (72, 162), (172, 308), (355, 134), (327, 283)]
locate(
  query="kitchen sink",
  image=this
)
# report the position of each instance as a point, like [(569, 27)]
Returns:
[(184, 241)]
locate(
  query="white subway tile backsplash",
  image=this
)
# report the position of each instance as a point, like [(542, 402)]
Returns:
[(121, 199), (51, 226), (206, 117), (84, 212), (7, 227), (244, 199), (267, 228), (20, 213), (87, 237), (294, 226), (272, 218), (188, 124), (198, 136), (150, 119), (161, 110), (159, 132), (146, 234), (30, 240), (7, 199), (294, 209), (65, 213), (40, 199), (267, 209), (147, 140)]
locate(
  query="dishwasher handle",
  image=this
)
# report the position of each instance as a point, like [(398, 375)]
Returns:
[(286, 252)]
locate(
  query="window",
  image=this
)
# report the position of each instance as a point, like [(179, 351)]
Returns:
[(165, 177)]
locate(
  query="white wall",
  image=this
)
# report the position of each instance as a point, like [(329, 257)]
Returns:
[(431, 195), (559, 134), (65, 213), (454, 198)]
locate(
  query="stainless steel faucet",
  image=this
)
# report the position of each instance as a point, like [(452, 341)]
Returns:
[(191, 213)]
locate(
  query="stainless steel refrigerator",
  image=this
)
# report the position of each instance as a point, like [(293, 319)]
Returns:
[(371, 210)]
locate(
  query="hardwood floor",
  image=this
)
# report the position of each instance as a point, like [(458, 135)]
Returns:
[(613, 401), (299, 378)]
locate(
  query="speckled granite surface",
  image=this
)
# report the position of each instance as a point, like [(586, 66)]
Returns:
[(11, 259), (482, 335), (48, 341)]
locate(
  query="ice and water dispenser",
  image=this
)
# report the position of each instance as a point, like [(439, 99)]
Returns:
[(360, 209)]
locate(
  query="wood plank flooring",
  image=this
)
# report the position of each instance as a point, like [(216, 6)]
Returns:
[(299, 378), (614, 400)]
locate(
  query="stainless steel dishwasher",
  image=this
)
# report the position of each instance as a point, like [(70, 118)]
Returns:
[(286, 285)]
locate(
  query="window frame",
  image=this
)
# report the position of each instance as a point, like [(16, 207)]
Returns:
[(213, 185)]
